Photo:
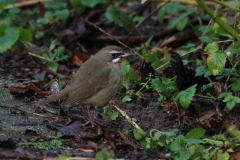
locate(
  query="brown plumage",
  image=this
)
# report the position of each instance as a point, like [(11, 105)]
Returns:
[(97, 80)]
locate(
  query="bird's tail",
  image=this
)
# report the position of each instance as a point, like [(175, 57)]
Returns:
[(61, 94)]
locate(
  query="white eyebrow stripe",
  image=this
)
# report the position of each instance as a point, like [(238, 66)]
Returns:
[(116, 52)]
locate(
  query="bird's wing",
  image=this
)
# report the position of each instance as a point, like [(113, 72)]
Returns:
[(89, 80)]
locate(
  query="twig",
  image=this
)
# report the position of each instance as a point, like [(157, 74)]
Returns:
[(128, 118), (27, 111), (155, 10), (210, 21), (91, 24), (41, 57), (178, 116), (187, 2), (137, 33), (24, 3)]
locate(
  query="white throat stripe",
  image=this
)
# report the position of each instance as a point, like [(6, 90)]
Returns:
[(116, 60), (116, 52)]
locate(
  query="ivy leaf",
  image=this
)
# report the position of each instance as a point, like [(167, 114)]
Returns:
[(186, 96), (93, 3), (8, 36), (216, 60), (155, 62), (113, 14)]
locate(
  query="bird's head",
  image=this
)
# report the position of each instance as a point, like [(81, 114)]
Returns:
[(112, 54)]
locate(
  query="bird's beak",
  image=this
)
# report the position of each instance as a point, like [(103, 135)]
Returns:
[(126, 54)]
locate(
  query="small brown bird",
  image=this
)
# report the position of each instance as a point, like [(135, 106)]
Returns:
[(96, 81)]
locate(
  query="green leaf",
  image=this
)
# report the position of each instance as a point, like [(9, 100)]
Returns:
[(6, 19), (161, 13), (93, 3), (60, 85), (236, 85), (216, 60), (2, 5), (112, 114), (137, 133), (105, 154), (225, 73), (14, 10), (166, 85), (204, 87), (54, 5), (113, 14), (201, 71), (155, 62), (230, 99), (8, 37), (125, 67), (222, 156), (178, 144), (195, 133), (130, 76), (181, 21), (186, 96), (54, 66), (181, 26), (209, 39), (218, 30), (25, 35), (59, 134), (62, 14), (65, 155), (127, 98), (80, 9), (39, 34)]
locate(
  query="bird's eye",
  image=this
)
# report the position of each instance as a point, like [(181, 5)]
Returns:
[(114, 54)]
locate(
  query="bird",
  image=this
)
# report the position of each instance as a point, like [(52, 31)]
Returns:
[(97, 80)]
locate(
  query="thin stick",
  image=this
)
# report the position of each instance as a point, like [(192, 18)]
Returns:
[(91, 24), (27, 111), (187, 2), (155, 10), (137, 33), (181, 56), (210, 21), (24, 3), (128, 118), (41, 57)]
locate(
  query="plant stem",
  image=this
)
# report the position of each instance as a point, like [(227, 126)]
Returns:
[(207, 97), (143, 86), (217, 19), (226, 5)]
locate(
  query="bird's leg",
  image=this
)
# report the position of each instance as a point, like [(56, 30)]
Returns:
[(89, 115)]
